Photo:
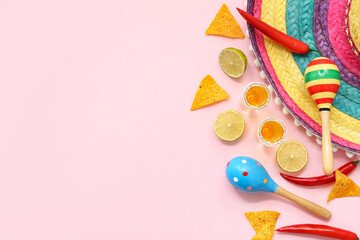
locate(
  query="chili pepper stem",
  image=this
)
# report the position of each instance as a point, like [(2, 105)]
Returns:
[(356, 163), (313, 50)]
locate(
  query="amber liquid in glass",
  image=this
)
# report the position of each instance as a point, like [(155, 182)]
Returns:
[(257, 96), (272, 131)]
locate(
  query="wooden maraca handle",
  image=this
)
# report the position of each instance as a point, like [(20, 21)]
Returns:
[(312, 207), (327, 153)]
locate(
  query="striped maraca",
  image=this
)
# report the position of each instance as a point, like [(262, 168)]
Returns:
[(322, 80)]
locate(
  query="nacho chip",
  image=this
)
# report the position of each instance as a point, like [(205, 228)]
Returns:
[(344, 187), (209, 92), (263, 223), (224, 24)]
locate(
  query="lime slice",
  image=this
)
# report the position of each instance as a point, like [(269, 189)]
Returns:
[(292, 156), (233, 62), (229, 125)]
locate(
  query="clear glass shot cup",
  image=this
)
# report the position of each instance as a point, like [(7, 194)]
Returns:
[(256, 96), (271, 132)]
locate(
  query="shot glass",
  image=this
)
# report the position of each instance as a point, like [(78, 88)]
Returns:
[(271, 132), (256, 96)]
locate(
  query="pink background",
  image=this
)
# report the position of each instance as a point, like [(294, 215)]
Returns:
[(97, 140)]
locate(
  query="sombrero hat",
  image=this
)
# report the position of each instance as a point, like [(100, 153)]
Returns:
[(331, 27)]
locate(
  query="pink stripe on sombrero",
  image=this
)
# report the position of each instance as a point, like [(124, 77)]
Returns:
[(338, 37), (288, 101)]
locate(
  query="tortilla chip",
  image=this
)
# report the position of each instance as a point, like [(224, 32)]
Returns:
[(263, 223), (224, 24), (344, 187), (209, 92)]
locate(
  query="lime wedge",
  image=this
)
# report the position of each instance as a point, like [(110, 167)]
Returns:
[(229, 125), (292, 156), (233, 62)]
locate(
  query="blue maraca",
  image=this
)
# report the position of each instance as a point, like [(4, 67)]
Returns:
[(248, 175)]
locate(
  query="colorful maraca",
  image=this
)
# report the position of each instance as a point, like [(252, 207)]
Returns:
[(248, 175), (322, 80)]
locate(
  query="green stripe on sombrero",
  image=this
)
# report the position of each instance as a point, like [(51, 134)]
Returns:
[(322, 74)]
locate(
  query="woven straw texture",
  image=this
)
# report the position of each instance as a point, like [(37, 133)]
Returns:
[(337, 35), (347, 29), (354, 22), (284, 70)]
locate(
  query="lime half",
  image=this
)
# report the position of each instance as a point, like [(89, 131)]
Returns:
[(292, 156), (233, 62), (229, 125)]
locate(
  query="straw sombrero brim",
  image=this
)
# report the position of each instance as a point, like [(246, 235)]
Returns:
[(352, 25), (311, 23)]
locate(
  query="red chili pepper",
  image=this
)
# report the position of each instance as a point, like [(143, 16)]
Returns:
[(320, 180), (320, 230), (287, 41)]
